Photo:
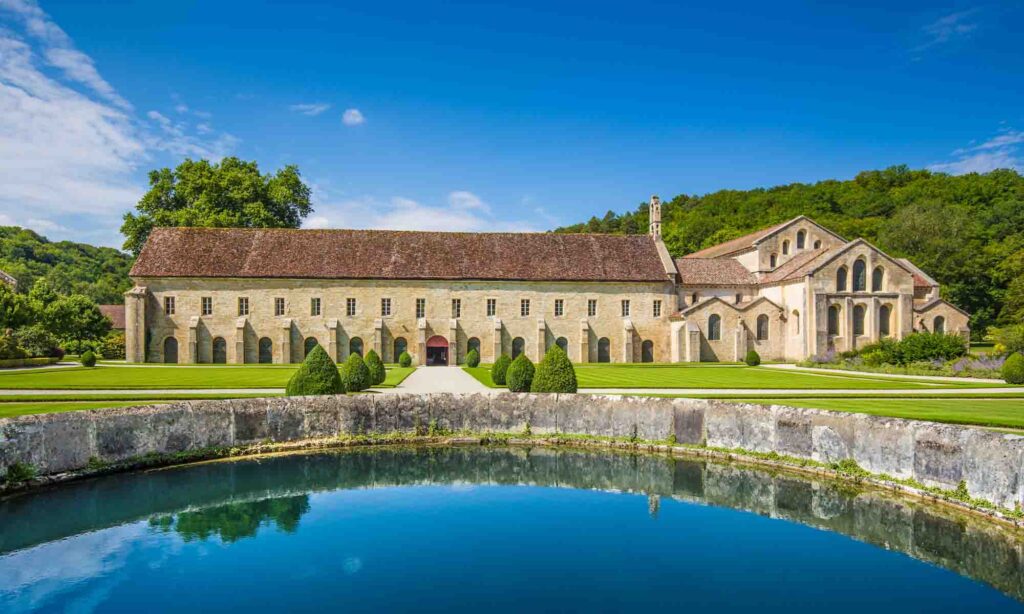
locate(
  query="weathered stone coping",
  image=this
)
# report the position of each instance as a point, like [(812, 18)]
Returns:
[(989, 464)]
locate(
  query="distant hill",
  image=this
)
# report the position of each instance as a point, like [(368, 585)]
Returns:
[(100, 273), (967, 231)]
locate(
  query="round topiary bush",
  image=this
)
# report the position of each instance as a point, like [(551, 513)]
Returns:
[(1013, 369), (473, 359), (376, 368), (88, 359), (405, 360), (520, 374), (752, 358), (316, 375), (500, 369), (555, 373), (355, 375)]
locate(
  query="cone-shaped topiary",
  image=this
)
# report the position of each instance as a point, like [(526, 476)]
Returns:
[(405, 360), (88, 359), (1013, 369), (473, 359), (752, 359), (520, 374), (355, 374), (500, 369), (554, 373), (316, 375), (376, 368)]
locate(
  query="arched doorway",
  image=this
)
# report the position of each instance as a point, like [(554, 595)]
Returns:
[(266, 353), (563, 343), (518, 345), (220, 351), (355, 346), (400, 348), (437, 351), (473, 344), (604, 350), (308, 346), (647, 351), (939, 325), (171, 350)]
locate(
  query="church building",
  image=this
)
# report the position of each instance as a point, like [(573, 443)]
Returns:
[(791, 291)]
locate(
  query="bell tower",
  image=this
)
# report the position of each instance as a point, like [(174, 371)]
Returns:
[(654, 214)]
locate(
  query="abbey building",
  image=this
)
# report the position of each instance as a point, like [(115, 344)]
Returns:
[(791, 291)]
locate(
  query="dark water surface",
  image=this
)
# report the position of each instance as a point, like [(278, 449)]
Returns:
[(495, 529)]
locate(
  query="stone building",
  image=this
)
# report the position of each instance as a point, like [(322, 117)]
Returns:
[(226, 295)]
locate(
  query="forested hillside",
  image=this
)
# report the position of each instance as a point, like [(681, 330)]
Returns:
[(967, 231), (101, 273)]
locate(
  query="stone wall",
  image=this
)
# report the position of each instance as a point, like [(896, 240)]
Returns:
[(939, 455)]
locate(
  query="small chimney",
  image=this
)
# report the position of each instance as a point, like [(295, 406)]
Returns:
[(654, 214)]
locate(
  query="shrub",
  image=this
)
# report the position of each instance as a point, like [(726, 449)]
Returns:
[(554, 373), (88, 359), (405, 360), (80, 347), (931, 346), (112, 346), (752, 359), (9, 348), (1009, 339), (500, 369), (520, 374), (37, 341), (316, 375), (874, 358), (473, 359), (355, 374), (19, 472), (1013, 369), (375, 367)]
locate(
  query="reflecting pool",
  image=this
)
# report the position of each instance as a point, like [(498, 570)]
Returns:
[(495, 529)]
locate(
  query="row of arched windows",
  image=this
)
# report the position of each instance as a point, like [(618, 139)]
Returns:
[(265, 349), (859, 317), (859, 280), (715, 327), (801, 243)]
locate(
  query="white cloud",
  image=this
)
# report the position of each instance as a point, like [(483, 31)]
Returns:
[(352, 117), (1000, 151), (949, 28), (312, 108)]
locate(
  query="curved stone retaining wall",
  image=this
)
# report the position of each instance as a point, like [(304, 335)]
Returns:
[(939, 455)]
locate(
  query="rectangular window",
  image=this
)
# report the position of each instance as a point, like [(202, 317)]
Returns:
[(278, 306), (421, 308), (657, 308), (243, 305), (625, 308), (456, 307), (524, 307), (492, 307), (314, 306), (207, 308), (592, 307), (169, 305), (559, 307), (385, 307), (350, 307)]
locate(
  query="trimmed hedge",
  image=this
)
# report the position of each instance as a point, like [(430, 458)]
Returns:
[(499, 369), (405, 360), (520, 374), (354, 374), (555, 373), (88, 359), (316, 375), (27, 362), (752, 359), (915, 347), (1013, 369), (376, 368), (473, 359)]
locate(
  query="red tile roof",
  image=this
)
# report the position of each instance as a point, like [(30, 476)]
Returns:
[(115, 313), (389, 254), (713, 272), (738, 244), (797, 266)]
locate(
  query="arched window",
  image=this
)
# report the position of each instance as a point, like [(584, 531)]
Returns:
[(796, 322), (841, 279), (693, 298), (801, 239), (773, 260), (400, 346), (308, 346), (785, 247), (473, 344), (647, 351), (833, 320), (563, 343), (714, 327), (518, 345), (170, 350), (604, 350), (266, 351), (220, 351), (817, 244), (860, 281), (939, 325), (877, 279), (355, 346), (884, 316), (762, 327), (858, 320)]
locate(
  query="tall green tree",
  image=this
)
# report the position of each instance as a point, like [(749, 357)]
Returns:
[(75, 318), (231, 193)]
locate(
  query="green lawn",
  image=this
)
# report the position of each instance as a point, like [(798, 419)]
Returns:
[(164, 377), (703, 375)]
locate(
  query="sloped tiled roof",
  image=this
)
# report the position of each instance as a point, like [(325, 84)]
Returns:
[(388, 254), (115, 313), (797, 266), (713, 272), (738, 244)]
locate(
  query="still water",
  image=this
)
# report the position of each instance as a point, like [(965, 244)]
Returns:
[(495, 529)]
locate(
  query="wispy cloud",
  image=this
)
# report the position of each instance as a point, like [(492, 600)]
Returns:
[(352, 117), (948, 29), (310, 108), (1000, 151)]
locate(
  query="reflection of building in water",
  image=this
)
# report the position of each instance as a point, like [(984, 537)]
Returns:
[(653, 505)]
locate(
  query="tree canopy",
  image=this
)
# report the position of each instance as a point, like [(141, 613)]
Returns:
[(230, 193), (966, 231)]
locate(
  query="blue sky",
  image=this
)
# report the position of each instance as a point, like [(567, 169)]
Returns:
[(474, 117)]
